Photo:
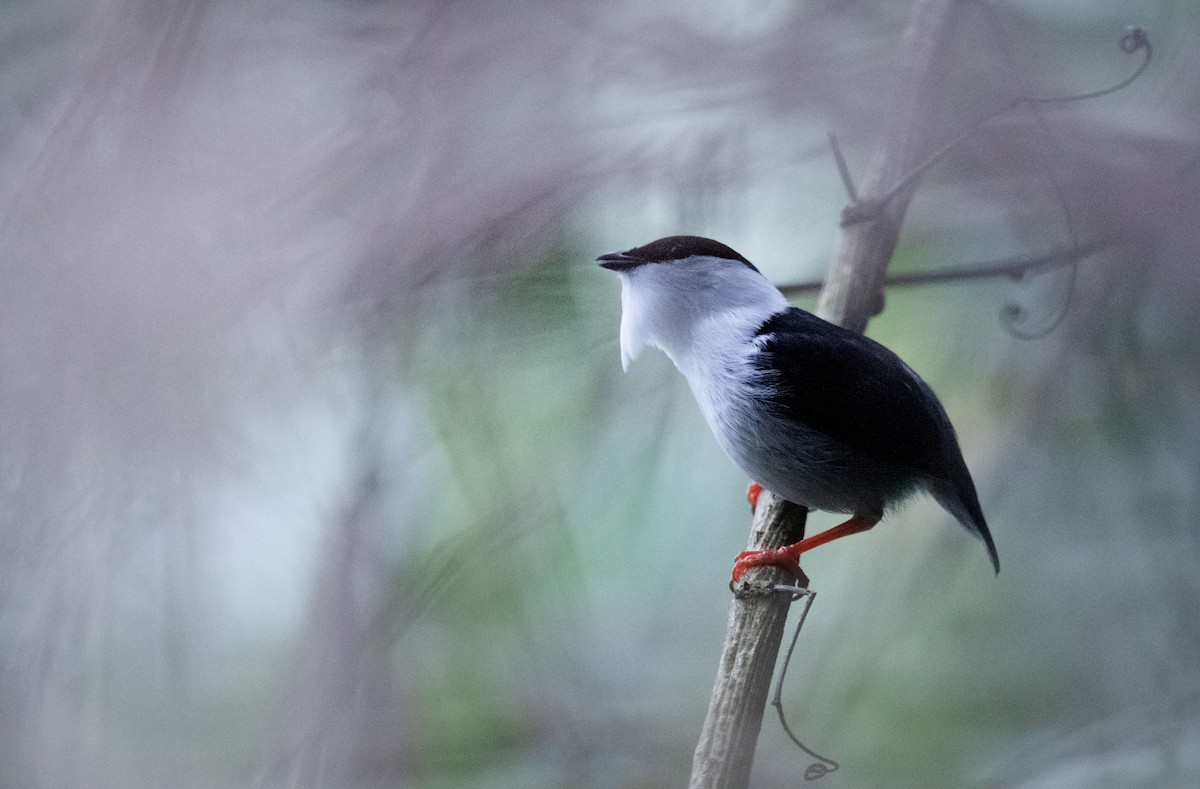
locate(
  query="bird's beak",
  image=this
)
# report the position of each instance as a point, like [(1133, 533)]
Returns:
[(618, 261)]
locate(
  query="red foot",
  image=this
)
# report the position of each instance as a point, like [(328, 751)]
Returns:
[(752, 494), (786, 558)]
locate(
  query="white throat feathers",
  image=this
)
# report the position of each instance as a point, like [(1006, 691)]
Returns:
[(696, 310)]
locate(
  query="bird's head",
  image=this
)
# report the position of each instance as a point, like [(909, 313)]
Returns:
[(681, 290)]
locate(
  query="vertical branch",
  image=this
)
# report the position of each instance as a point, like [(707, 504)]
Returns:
[(853, 290), (757, 617), (852, 294)]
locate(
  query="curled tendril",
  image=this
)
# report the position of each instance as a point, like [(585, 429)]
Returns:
[(823, 765), (1135, 38), (1014, 316), (817, 770)]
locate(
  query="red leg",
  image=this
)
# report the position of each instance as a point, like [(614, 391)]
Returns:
[(788, 557), (752, 493)]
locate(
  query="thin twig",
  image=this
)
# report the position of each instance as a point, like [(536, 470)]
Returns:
[(1014, 267), (843, 168)]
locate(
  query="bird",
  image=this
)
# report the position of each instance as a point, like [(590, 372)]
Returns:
[(822, 416)]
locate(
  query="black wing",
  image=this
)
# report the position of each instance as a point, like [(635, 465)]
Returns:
[(855, 391)]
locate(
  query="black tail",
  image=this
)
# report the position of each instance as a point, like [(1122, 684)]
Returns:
[(958, 498)]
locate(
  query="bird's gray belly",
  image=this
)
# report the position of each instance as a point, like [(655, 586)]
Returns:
[(810, 468)]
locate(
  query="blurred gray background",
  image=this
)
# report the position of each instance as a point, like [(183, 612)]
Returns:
[(318, 467)]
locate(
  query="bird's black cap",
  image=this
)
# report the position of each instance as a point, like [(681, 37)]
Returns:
[(670, 248)]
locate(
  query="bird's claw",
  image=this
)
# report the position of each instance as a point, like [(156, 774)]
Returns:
[(783, 558)]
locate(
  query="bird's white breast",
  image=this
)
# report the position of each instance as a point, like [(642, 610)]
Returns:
[(706, 319), (731, 390)]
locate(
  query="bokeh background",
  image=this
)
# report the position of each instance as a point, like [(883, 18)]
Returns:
[(318, 467)]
